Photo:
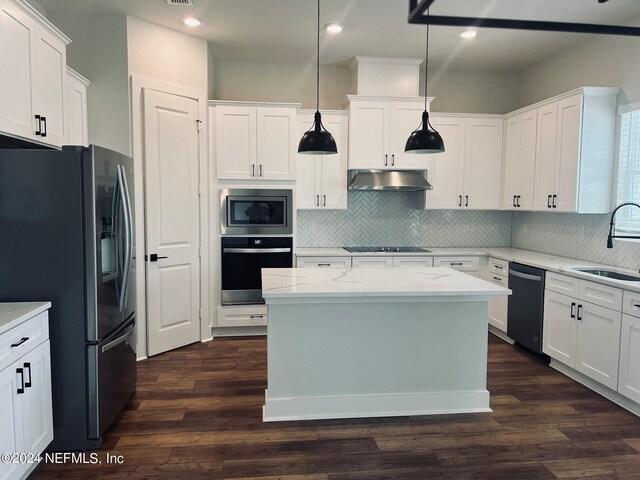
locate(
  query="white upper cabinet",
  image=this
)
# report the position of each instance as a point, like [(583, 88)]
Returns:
[(379, 129), (254, 141), (520, 160), (77, 120), (322, 179), (468, 173), (574, 150), (33, 75)]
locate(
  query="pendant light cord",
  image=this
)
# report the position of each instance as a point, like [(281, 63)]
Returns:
[(426, 64), (318, 63)]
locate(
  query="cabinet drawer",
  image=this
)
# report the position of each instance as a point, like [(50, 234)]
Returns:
[(603, 295), (562, 284), (501, 280), (631, 303), (242, 316), (500, 267), (413, 261), (464, 264), (372, 261), (35, 331), (329, 262)]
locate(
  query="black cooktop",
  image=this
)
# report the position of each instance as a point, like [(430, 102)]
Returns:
[(384, 249)]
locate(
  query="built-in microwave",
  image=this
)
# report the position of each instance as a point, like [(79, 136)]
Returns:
[(256, 211)]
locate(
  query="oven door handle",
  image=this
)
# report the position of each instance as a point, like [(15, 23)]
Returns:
[(256, 250)]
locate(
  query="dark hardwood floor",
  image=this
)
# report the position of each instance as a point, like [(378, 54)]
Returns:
[(197, 414)]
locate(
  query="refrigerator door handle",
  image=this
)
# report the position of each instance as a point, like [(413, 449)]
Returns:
[(115, 209), (122, 338), (129, 233), (127, 262)]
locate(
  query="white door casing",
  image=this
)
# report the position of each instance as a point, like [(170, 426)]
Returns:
[(172, 201)]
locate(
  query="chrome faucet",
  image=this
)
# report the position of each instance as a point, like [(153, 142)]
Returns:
[(613, 214)]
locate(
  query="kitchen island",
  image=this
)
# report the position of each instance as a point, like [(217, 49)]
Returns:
[(371, 342)]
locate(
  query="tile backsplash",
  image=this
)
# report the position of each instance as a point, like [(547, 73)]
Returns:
[(573, 235), (390, 218)]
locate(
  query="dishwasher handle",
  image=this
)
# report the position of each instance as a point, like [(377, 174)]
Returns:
[(526, 276)]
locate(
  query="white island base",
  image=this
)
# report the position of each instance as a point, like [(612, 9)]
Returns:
[(368, 353)]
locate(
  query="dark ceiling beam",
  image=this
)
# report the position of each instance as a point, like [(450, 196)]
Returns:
[(418, 8)]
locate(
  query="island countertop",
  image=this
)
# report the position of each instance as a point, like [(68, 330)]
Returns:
[(283, 283)]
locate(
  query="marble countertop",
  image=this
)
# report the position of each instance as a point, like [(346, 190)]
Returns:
[(553, 263), (374, 282), (13, 314)]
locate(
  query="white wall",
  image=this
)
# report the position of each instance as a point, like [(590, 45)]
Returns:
[(600, 61), (99, 52), (455, 91)]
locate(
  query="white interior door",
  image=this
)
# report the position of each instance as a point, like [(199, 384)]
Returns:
[(172, 220)]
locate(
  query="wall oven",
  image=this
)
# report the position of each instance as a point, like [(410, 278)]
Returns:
[(256, 211), (243, 258)]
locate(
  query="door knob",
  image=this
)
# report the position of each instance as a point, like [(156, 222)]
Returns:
[(154, 257)]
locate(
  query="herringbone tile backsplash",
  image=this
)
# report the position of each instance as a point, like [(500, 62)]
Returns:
[(574, 236), (390, 218)]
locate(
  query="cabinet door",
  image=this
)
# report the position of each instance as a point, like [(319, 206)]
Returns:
[(498, 305), (568, 153), (76, 112), (629, 376), (527, 166), (308, 172), (405, 118), (369, 135), (276, 143), (559, 328), (37, 416), (483, 163), (235, 142), (598, 343), (372, 261), (333, 180), (512, 159), (545, 182), (323, 262), (11, 432), (51, 86), (446, 170), (17, 52)]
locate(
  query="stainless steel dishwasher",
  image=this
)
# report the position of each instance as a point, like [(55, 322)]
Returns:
[(525, 307)]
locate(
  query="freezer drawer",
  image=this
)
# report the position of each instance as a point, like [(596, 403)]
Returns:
[(112, 377)]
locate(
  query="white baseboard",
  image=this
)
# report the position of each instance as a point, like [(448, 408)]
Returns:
[(357, 406), (500, 334), (237, 331), (139, 359), (606, 392)]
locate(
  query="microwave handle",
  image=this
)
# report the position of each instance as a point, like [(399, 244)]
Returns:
[(256, 250)]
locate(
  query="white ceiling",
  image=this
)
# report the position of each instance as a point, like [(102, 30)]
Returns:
[(283, 31)]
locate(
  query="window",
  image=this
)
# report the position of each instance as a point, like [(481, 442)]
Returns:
[(628, 218)]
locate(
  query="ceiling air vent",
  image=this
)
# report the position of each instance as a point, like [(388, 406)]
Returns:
[(184, 3)]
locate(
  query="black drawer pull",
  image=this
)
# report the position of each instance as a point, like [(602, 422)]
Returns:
[(497, 278), (456, 263), (22, 340)]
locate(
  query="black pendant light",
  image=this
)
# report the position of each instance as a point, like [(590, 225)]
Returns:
[(425, 139), (317, 140)]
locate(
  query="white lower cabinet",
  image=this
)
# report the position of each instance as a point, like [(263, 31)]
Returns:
[(629, 375), (418, 261), (581, 334), (498, 305), (26, 416), (327, 262), (242, 316)]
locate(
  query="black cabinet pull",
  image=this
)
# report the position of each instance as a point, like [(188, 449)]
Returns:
[(21, 373), (548, 201), (44, 127), (459, 200), (456, 263), (324, 200), (253, 170), (518, 197), (386, 159), (22, 340), (579, 312), (555, 197), (514, 201), (317, 200), (466, 202), (260, 170), (393, 159), (497, 278), (39, 130), (27, 384), (573, 306)]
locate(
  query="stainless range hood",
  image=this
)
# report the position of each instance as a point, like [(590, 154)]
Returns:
[(389, 180)]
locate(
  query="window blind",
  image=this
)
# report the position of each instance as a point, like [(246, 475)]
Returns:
[(628, 218)]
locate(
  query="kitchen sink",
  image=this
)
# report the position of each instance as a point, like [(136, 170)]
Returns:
[(609, 274)]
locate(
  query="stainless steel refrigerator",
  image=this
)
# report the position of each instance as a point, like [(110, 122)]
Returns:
[(67, 235)]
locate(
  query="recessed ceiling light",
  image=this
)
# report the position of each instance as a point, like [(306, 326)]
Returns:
[(469, 34), (192, 22), (334, 27)]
